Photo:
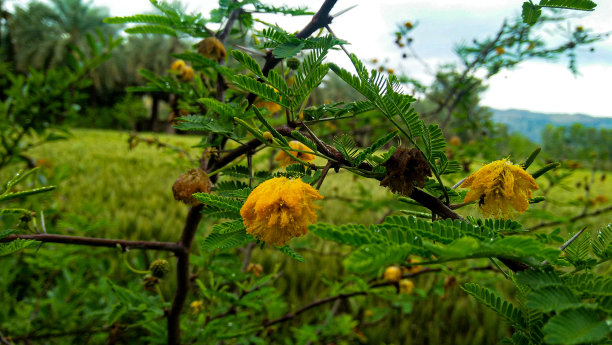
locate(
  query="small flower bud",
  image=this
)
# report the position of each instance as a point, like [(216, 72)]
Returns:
[(500, 50), (268, 136), (408, 25), (159, 268), (193, 181), (393, 274), (187, 74), (406, 286), (255, 268), (293, 63), (177, 65)]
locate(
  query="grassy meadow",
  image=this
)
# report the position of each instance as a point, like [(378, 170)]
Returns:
[(106, 189)]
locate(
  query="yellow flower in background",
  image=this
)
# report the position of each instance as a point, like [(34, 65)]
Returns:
[(500, 187), (271, 106), (280, 209), (211, 48), (196, 306), (177, 65), (187, 73), (406, 286), (500, 50), (392, 274), (285, 159)]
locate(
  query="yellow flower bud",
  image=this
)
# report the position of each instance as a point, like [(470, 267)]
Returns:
[(392, 274), (406, 286), (177, 65)]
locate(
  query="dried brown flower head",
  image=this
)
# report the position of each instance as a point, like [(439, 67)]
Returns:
[(193, 181), (211, 48), (405, 170)]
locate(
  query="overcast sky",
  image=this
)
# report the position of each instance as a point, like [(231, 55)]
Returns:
[(536, 85)]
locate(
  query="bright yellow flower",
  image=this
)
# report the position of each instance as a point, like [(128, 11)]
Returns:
[(280, 209), (500, 187), (285, 159), (500, 50)]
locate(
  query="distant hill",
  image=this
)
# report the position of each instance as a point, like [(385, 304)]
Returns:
[(531, 124)]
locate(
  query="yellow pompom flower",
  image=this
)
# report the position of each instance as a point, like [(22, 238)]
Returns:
[(187, 73), (500, 187), (177, 65), (500, 50), (280, 209), (211, 48), (285, 159)]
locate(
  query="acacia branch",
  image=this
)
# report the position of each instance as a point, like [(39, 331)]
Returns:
[(97, 242), (341, 296)]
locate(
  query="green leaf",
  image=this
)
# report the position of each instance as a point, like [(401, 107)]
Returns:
[(226, 240), (521, 248), (225, 203), (552, 298), (288, 49), (602, 244), (10, 196), (140, 18), (351, 234), (16, 245), (151, 29), (291, 253), (202, 123), (583, 5), (503, 308), (301, 138), (248, 62), (18, 178), (4, 233), (575, 326), (536, 279), (530, 13), (371, 257)]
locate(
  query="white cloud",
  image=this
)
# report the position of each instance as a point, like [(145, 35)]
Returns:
[(547, 87)]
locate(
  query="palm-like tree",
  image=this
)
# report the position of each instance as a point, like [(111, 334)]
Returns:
[(42, 34)]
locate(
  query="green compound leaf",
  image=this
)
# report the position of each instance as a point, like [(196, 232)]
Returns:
[(575, 326), (291, 253), (151, 29), (502, 307), (530, 13), (583, 5), (16, 245), (351, 234)]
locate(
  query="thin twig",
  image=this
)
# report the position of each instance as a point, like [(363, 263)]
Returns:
[(573, 219), (291, 315), (323, 175), (97, 242), (566, 244)]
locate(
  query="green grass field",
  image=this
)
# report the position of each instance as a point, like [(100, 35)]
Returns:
[(107, 190)]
